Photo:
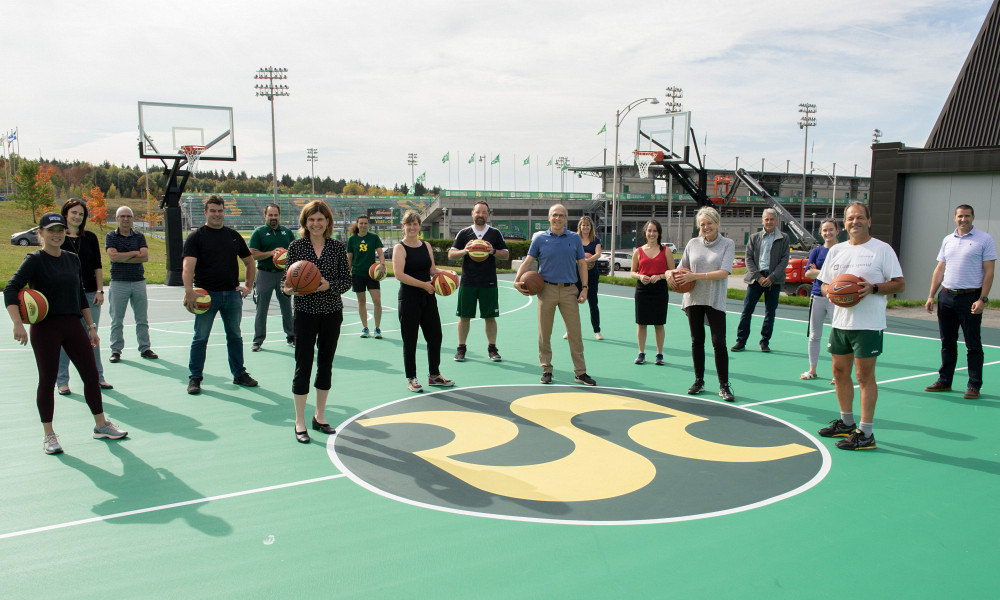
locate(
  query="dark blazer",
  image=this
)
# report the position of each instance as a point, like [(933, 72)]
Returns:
[(779, 257)]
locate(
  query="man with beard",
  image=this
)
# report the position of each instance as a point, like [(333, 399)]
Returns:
[(478, 285), (263, 242)]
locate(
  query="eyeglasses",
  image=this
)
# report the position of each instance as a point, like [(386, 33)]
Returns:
[(558, 215)]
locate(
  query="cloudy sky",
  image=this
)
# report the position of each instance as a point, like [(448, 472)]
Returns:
[(372, 81)]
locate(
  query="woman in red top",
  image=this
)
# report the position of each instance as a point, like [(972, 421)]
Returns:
[(650, 263)]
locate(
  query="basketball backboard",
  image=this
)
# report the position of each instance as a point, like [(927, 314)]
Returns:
[(164, 128), (669, 133)]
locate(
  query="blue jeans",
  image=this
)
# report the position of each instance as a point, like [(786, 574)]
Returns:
[(62, 378), (771, 295), (230, 305)]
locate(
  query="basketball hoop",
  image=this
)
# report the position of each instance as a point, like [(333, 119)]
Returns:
[(644, 158), (192, 153)]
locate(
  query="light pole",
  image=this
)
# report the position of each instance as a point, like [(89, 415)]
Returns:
[(562, 162), (269, 90), (805, 123), (312, 155), (833, 179), (411, 159), (876, 136), (673, 105), (619, 115)]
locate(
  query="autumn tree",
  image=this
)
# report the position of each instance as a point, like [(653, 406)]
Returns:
[(32, 189), (153, 214), (96, 206)]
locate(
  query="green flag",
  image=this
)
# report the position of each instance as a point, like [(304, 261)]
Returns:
[(603, 129), (565, 165), (446, 157), (495, 160), (527, 160), (472, 158), (421, 178), (549, 164)]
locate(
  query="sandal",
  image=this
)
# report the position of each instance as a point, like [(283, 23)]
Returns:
[(808, 375)]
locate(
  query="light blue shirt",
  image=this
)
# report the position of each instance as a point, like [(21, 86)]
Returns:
[(963, 257), (557, 255), (765, 251)]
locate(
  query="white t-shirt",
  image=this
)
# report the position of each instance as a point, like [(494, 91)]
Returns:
[(877, 263)]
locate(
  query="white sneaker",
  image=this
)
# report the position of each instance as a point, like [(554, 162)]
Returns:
[(566, 335), (598, 336), (51, 444)]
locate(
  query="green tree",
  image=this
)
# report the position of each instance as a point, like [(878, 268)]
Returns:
[(32, 189)]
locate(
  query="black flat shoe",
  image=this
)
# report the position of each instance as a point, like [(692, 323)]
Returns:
[(106, 386), (65, 392), (323, 427), (302, 436)]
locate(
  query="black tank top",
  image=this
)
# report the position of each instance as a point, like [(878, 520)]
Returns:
[(418, 262)]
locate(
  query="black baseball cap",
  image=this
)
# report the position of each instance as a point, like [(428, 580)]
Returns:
[(50, 220)]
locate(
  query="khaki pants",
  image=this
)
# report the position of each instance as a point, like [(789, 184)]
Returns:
[(565, 298)]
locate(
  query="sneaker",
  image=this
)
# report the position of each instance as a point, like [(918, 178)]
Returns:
[(245, 380), (837, 429), (584, 379), (739, 347), (494, 353), (598, 336), (109, 431), (255, 347), (414, 385), (659, 359), (546, 377), (439, 381), (194, 385), (148, 353), (115, 357), (460, 353), (378, 333), (566, 335), (697, 387), (857, 441), (938, 386), (290, 341), (726, 392), (641, 359), (51, 444), (364, 332)]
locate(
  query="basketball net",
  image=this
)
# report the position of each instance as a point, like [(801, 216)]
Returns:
[(644, 158), (192, 153)]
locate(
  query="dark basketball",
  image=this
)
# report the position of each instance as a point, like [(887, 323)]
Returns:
[(845, 290), (681, 287), (533, 283), (303, 277)]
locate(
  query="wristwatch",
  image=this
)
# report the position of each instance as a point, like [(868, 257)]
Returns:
[(875, 289), (984, 299)]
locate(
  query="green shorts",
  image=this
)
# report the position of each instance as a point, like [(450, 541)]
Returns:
[(862, 343), (485, 297)]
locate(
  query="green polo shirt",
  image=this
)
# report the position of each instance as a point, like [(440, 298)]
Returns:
[(266, 239)]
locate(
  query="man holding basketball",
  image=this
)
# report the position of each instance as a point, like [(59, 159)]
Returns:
[(211, 261), (857, 331), (478, 285), (965, 274), (561, 264), (263, 242)]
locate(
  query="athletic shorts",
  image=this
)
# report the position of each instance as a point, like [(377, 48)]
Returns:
[(485, 297), (360, 283), (862, 343)]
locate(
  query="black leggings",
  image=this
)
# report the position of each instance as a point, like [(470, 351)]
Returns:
[(64, 332), (717, 324), (418, 310), (595, 313), (320, 331)]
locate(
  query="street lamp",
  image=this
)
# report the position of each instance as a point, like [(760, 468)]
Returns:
[(312, 155), (619, 115), (833, 178), (805, 122), (269, 90)]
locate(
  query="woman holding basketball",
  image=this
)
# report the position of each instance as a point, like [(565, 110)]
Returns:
[(318, 313), (56, 274), (710, 260), (819, 305), (650, 263), (413, 264), (363, 249), (84, 244)]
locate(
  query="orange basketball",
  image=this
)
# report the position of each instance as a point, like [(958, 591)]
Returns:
[(303, 277), (201, 304), (33, 306), (681, 288), (280, 258), (533, 283), (845, 290), (445, 282), (479, 250), (375, 273)]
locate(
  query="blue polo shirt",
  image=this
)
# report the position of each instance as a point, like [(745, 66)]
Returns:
[(557, 255), (125, 243)]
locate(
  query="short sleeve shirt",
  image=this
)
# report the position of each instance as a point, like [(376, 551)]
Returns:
[(362, 251), (125, 243), (877, 263), (479, 274), (218, 252), (557, 255), (963, 257), (265, 239)]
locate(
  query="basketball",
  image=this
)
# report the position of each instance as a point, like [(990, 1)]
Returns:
[(33, 306), (533, 283), (375, 273), (303, 277), (479, 250), (445, 282), (280, 258), (681, 288), (202, 304), (844, 291)]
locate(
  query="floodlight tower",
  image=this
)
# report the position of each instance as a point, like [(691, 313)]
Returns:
[(312, 155), (269, 90), (619, 116), (805, 123), (673, 105), (411, 159), (876, 136)]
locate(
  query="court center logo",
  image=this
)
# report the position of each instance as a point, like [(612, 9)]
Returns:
[(576, 455)]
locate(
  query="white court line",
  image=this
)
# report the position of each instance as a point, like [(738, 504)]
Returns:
[(140, 511)]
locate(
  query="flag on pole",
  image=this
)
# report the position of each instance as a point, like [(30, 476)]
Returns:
[(472, 158), (420, 178), (446, 157), (527, 160), (603, 129), (549, 164), (565, 165), (495, 160)]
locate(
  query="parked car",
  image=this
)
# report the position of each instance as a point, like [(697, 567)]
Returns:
[(673, 247), (622, 262), (739, 262), (26, 238)]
